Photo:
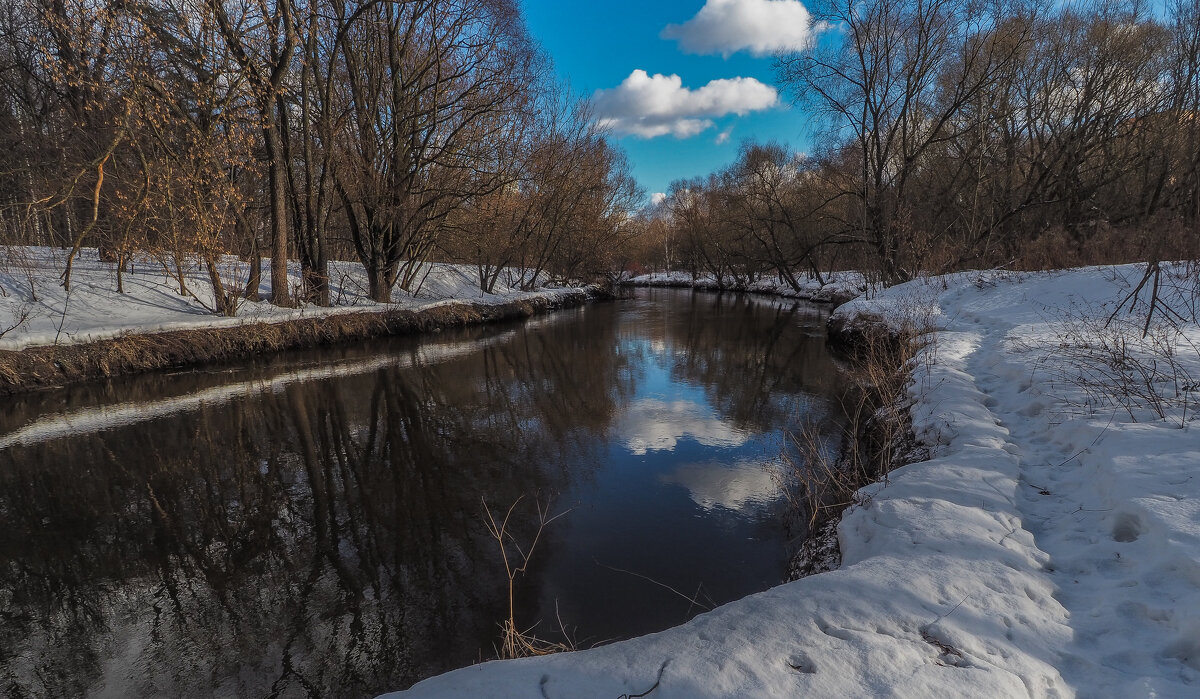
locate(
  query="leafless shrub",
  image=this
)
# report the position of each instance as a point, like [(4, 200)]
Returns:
[(19, 316), (16, 264), (1141, 355), (1170, 291)]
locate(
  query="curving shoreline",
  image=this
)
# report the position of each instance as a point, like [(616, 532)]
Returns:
[(992, 566)]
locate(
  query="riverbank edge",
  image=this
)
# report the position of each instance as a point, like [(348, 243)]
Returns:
[(829, 294), (986, 569), (54, 366), (849, 336)]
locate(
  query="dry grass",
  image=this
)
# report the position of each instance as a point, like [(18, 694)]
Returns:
[(819, 481), (1103, 244), (1142, 356)]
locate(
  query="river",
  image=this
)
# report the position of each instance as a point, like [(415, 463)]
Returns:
[(314, 523)]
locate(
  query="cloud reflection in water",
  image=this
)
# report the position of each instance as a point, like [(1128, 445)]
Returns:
[(743, 486), (656, 425)]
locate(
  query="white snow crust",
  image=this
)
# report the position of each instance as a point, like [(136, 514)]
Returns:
[(836, 286), (1049, 548)]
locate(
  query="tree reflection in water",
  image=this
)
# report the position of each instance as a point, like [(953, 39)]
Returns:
[(290, 535)]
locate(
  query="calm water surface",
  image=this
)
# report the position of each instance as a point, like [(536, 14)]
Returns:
[(313, 524)]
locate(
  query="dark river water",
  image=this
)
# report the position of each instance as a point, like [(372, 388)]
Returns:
[(314, 524)]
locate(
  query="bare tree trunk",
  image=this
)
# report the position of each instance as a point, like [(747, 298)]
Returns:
[(255, 278), (226, 304), (277, 183), (380, 280)]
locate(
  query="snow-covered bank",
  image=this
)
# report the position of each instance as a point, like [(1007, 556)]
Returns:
[(30, 289), (1050, 546), (835, 288)]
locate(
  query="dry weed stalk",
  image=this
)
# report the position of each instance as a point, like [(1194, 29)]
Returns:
[(1127, 363), (694, 602), (15, 262), (19, 316), (1144, 354), (515, 642)]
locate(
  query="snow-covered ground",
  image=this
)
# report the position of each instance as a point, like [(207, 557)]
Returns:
[(30, 288), (1049, 547), (837, 286)]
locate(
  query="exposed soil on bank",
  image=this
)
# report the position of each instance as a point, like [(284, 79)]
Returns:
[(52, 366)]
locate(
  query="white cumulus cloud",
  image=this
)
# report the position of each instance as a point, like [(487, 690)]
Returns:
[(650, 106), (759, 26)]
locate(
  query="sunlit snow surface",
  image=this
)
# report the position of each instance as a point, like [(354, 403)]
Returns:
[(837, 285), (30, 288), (1050, 546)]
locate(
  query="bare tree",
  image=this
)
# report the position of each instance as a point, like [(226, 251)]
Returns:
[(895, 85), (262, 37), (432, 87)]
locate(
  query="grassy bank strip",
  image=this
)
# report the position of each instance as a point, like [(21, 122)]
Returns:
[(58, 365)]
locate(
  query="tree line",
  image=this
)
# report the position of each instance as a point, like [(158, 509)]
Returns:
[(953, 134), (391, 132)]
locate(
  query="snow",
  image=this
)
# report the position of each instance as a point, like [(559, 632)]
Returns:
[(1049, 547), (30, 287), (837, 286)]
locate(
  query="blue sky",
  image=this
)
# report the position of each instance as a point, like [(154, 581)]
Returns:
[(598, 45)]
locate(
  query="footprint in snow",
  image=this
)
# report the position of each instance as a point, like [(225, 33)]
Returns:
[(1127, 527)]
